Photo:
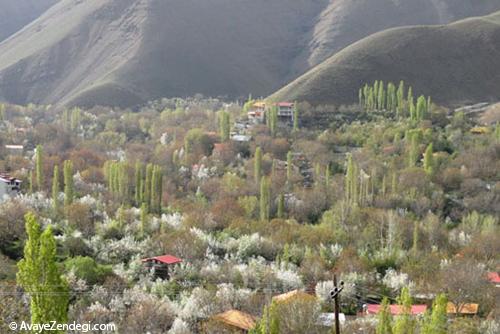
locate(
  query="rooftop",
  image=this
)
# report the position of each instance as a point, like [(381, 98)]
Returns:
[(166, 259), (396, 309), (236, 319)]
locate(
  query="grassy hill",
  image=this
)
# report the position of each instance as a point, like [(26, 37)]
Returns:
[(15, 14), (124, 52), (454, 63)]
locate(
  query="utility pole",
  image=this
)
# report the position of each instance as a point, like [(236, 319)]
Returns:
[(334, 294)]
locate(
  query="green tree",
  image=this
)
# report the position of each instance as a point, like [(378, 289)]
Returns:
[(273, 120), (69, 190), (144, 220), (404, 323), (148, 185), (429, 160), (381, 95), (55, 189), (400, 99), (257, 170), (421, 108), (289, 166), (156, 189), (281, 206), (39, 276), (384, 325), (295, 117), (224, 125), (30, 182), (39, 167), (265, 199), (351, 188), (437, 321), (139, 182)]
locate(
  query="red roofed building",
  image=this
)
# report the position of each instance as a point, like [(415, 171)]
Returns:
[(494, 278), (396, 309), (160, 264)]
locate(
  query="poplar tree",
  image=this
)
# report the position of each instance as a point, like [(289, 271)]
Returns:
[(281, 205), (384, 325), (413, 138), (265, 199), (258, 165), (68, 182), (30, 182), (224, 125), (381, 95), (400, 99), (429, 160), (144, 219), (147, 185), (295, 117), (421, 108), (437, 321), (156, 189), (351, 181), (139, 177), (289, 166), (39, 275), (404, 323), (327, 175), (273, 120), (39, 167), (55, 189)]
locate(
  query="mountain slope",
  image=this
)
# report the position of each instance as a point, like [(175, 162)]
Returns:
[(15, 14), (454, 63), (344, 22), (124, 52)]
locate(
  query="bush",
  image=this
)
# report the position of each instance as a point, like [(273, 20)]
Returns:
[(87, 269)]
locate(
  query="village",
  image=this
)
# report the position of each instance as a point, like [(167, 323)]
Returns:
[(240, 224)]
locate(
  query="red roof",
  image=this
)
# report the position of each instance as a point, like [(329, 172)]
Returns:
[(285, 104), (167, 259), (494, 277), (396, 309)]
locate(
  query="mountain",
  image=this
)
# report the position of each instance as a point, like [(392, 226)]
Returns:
[(15, 14), (125, 52), (454, 63)]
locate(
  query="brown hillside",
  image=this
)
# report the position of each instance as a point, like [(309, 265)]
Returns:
[(455, 63)]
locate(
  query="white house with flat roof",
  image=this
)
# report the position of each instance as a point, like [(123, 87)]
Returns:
[(9, 186)]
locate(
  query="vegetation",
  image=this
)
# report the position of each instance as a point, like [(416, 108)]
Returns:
[(398, 207)]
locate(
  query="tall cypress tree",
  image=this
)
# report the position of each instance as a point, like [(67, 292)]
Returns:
[(265, 199), (68, 183), (39, 167), (257, 170), (39, 276), (55, 189)]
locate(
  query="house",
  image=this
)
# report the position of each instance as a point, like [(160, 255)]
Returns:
[(257, 112), (9, 186), (236, 321), (465, 309), (494, 278), (292, 296), (395, 309), (285, 112), (160, 264)]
